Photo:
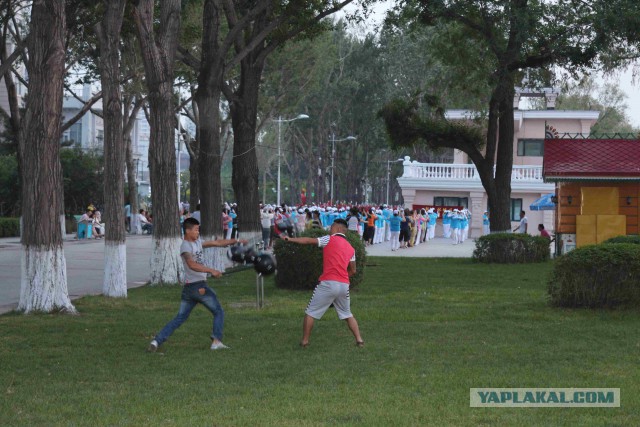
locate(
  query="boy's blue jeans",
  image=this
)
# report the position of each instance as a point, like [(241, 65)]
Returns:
[(191, 295)]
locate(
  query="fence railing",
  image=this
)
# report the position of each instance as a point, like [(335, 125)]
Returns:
[(462, 172)]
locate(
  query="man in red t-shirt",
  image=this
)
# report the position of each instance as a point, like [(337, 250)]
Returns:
[(339, 262)]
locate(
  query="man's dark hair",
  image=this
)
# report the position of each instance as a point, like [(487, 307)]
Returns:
[(141, 211), (189, 223), (540, 226), (523, 212), (341, 222)]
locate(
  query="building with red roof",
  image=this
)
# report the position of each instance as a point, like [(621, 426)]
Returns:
[(597, 187)]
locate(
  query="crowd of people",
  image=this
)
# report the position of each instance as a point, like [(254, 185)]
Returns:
[(403, 228)]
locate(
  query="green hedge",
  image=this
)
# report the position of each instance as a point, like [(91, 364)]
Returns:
[(605, 275), (9, 227), (634, 238), (300, 266), (508, 248), (71, 224)]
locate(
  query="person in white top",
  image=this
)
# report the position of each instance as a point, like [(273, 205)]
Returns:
[(266, 216), (524, 223), (144, 222)]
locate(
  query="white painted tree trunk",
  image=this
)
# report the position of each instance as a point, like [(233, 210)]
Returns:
[(166, 265), (115, 270), (214, 257), (44, 281), (136, 228), (63, 226)]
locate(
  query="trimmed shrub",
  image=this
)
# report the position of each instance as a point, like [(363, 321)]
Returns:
[(71, 224), (9, 227), (300, 266), (634, 238), (508, 248), (605, 275)]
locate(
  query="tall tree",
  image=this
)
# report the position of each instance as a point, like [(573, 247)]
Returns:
[(158, 47), (258, 39), (506, 37), (44, 275), (115, 253)]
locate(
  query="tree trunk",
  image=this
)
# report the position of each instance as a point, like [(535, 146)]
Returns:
[(44, 272), (244, 113), (210, 81), (209, 166), (132, 186), (501, 206), (158, 55), (129, 119), (194, 184), (115, 254)]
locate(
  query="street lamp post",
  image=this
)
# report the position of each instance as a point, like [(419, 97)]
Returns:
[(333, 155), (279, 120), (389, 174)]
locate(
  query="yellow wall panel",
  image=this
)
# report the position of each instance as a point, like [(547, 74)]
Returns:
[(586, 230), (600, 200), (609, 226)]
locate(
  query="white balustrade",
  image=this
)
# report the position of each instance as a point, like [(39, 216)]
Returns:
[(462, 172)]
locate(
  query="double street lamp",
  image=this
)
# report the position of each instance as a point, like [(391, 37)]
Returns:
[(333, 155), (280, 120)]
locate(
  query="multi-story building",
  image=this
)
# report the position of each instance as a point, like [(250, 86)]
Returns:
[(88, 132), (458, 183)]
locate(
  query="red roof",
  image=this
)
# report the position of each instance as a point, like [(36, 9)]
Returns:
[(591, 158)]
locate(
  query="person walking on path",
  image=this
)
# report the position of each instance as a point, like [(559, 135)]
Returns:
[(195, 289), (339, 262), (394, 229), (524, 224)]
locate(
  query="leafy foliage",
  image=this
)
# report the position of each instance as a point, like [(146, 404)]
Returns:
[(633, 239), (9, 185), (300, 266), (508, 248), (82, 174), (605, 275), (9, 227), (407, 127)]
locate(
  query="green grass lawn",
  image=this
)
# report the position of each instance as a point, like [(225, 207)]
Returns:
[(433, 329)]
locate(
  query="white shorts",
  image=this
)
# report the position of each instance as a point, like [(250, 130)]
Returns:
[(330, 292)]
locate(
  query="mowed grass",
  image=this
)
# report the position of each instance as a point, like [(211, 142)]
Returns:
[(433, 329)]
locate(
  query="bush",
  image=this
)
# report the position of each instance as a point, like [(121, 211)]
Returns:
[(635, 239), (9, 227), (508, 248), (71, 225), (605, 275), (300, 266)]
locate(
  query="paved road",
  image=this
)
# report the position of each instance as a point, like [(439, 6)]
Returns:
[(85, 267)]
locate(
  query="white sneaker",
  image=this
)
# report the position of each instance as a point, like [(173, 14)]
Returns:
[(153, 347), (218, 346)]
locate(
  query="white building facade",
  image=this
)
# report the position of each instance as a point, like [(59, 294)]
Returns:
[(458, 183)]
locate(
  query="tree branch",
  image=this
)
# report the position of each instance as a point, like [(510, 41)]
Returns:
[(86, 107)]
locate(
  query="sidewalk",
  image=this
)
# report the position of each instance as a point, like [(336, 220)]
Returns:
[(85, 263), (436, 248), (85, 267)]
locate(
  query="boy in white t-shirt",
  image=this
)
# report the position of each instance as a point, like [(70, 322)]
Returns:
[(195, 289)]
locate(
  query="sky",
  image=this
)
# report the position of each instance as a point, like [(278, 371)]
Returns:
[(624, 78)]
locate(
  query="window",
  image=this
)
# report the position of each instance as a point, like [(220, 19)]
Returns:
[(451, 201), (531, 147), (516, 208)]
